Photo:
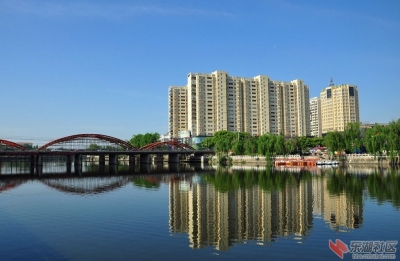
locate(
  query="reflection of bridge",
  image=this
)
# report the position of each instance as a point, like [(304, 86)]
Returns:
[(76, 146), (92, 184)]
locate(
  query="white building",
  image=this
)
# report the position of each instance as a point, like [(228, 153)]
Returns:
[(315, 117), (217, 101)]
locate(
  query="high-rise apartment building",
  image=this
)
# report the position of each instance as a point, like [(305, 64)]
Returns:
[(258, 105), (177, 103), (339, 106), (315, 117)]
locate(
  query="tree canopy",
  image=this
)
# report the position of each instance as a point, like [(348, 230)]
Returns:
[(379, 139), (140, 140)]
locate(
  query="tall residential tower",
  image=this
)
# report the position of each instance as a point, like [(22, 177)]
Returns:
[(315, 117), (258, 105), (339, 106)]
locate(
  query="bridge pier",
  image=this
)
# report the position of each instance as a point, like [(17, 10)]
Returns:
[(113, 169), (174, 158), (173, 167), (145, 168), (131, 160), (145, 158), (70, 159), (78, 160), (32, 165), (112, 159), (69, 168), (38, 160), (39, 170), (102, 169), (78, 169), (102, 160)]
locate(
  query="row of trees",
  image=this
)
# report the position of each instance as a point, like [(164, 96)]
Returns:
[(379, 139), (242, 143)]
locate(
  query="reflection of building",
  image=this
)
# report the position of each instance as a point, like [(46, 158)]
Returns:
[(339, 211), (339, 106), (214, 218), (218, 101)]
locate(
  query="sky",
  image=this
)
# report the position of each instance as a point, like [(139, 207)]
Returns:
[(83, 66)]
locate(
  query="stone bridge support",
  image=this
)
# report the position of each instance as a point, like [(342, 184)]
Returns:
[(174, 158), (32, 165), (70, 159), (102, 160), (39, 160), (145, 158), (113, 169), (131, 160), (113, 159), (78, 159)]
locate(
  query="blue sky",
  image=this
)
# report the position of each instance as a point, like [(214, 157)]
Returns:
[(70, 67)]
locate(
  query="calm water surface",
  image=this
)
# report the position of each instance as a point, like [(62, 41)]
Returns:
[(193, 212)]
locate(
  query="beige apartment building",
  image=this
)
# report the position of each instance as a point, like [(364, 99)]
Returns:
[(315, 117), (339, 106), (258, 105)]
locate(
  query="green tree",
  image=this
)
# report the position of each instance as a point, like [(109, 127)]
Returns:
[(94, 147), (393, 139), (352, 137), (266, 145), (376, 139), (334, 141), (140, 140), (223, 140), (208, 142), (280, 147), (291, 146), (250, 144)]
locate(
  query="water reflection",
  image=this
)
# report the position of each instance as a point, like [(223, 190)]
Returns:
[(245, 205), (86, 185), (222, 207), (233, 206)]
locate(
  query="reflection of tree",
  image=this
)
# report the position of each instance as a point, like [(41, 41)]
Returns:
[(146, 182), (339, 183), (381, 187), (268, 180), (385, 188)]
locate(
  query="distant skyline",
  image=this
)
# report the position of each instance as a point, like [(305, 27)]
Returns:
[(70, 67)]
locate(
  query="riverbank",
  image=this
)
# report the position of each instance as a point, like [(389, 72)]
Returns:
[(349, 159)]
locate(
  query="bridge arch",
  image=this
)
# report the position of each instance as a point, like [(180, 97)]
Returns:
[(82, 140), (162, 144), (12, 144)]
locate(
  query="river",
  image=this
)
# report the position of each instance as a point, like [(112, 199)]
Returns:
[(195, 212)]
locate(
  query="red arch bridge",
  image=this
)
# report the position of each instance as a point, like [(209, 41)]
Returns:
[(100, 147)]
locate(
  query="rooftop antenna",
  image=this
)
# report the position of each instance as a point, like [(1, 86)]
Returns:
[(331, 82)]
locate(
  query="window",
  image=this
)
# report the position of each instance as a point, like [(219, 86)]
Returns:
[(351, 91), (328, 93)]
